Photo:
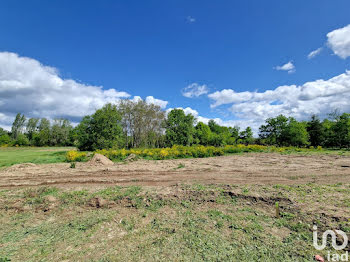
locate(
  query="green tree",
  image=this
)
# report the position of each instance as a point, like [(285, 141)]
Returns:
[(3, 132), (340, 131), (42, 138), (102, 130), (5, 139), (272, 131), (246, 136), (316, 131), (59, 134), (18, 125), (21, 140), (295, 134), (32, 127), (221, 134), (142, 123), (202, 134), (179, 128)]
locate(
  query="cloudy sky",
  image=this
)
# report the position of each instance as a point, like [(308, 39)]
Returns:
[(237, 63)]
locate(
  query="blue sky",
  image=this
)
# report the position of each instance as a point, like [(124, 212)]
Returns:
[(158, 48)]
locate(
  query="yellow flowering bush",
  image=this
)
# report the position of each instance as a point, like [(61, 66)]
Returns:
[(199, 151), (75, 156)]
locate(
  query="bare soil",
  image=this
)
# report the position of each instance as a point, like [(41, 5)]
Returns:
[(253, 168)]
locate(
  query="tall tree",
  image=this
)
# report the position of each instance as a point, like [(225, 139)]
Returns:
[(272, 131), (60, 130), (316, 131), (179, 128), (142, 123), (341, 131), (32, 127), (18, 125), (295, 134), (102, 130), (202, 134), (246, 136), (42, 138)]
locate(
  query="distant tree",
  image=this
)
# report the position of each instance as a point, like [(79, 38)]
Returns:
[(102, 130), (18, 125), (246, 136), (42, 138), (329, 136), (295, 134), (234, 134), (316, 131), (59, 134), (21, 140), (221, 134), (5, 139), (202, 134), (340, 136), (32, 127), (179, 128), (272, 131), (142, 123), (3, 132)]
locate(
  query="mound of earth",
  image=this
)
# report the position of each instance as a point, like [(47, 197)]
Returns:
[(100, 160)]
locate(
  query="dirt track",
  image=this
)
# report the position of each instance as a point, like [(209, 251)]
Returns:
[(251, 168)]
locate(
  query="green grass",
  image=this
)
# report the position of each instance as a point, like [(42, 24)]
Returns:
[(37, 155), (202, 223)]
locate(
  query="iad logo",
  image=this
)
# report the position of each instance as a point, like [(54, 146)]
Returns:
[(334, 239), (333, 234)]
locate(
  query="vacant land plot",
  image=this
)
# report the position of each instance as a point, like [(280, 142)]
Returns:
[(252, 168), (210, 209)]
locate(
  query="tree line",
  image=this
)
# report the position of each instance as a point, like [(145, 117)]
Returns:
[(131, 124)]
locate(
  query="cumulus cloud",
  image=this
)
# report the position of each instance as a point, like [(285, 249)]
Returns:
[(37, 90), (317, 97), (161, 103), (289, 67), (339, 41), (314, 53), (195, 90), (228, 96)]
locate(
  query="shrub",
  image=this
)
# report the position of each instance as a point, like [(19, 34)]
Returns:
[(21, 140), (5, 140), (178, 151), (75, 156)]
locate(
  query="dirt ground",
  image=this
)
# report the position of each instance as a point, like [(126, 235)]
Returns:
[(253, 168)]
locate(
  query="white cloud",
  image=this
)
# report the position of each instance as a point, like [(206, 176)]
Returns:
[(195, 90), (228, 96), (36, 90), (339, 41), (161, 103), (289, 67), (317, 97), (190, 19), (314, 53)]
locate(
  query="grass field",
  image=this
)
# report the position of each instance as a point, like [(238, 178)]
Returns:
[(182, 223), (37, 155)]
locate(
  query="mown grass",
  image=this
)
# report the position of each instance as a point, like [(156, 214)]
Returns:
[(193, 223), (37, 155)]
